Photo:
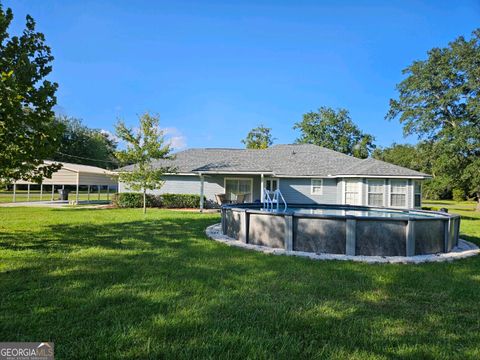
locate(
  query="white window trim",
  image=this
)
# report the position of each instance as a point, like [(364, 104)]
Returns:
[(238, 178), (390, 193), (312, 186), (272, 178), (384, 193)]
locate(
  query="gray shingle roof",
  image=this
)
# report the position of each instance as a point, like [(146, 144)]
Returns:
[(286, 160)]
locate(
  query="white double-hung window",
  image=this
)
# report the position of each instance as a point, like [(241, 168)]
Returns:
[(398, 193), (418, 194), (352, 192), (317, 187), (376, 192)]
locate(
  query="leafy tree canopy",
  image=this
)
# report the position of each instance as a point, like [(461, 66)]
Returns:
[(143, 145), (259, 138), (334, 129), (405, 155), (82, 145), (28, 131), (439, 101)]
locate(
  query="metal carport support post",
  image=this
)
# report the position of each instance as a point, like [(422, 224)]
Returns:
[(14, 192), (77, 188)]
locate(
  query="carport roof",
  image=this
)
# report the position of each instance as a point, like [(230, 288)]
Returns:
[(79, 168)]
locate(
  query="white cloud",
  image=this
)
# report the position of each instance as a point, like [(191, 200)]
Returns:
[(110, 135), (175, 138)]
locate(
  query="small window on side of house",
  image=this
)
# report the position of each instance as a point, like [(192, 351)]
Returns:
[(317, 187), (418, 194)]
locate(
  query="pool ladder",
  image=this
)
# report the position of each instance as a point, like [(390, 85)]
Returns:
[(273, 201)]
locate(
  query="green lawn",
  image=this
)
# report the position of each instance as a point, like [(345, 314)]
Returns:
[(115, 284), (470, 223)]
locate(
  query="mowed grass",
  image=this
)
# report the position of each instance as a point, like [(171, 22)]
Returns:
[(114, 284), (470, 222)]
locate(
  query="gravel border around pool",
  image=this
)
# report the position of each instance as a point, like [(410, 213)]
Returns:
[(464, 250)]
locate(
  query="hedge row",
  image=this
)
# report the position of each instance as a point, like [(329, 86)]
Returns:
[(171, 201)]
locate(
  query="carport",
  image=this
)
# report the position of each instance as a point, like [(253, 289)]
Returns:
[(72, 174)]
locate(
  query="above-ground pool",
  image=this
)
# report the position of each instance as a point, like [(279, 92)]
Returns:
[(343, 229)]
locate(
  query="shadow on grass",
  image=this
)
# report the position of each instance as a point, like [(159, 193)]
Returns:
[(159, 288)]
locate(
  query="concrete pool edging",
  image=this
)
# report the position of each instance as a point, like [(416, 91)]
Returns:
[(463, 250)]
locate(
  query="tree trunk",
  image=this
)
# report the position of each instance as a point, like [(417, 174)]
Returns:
[(478, 202), (144, 201)]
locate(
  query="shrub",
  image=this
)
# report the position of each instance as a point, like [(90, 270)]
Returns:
[(172, 201), (133, 200), (458, 195), (179, 201)]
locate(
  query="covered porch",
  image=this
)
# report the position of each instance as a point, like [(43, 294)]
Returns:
[(235, 188)]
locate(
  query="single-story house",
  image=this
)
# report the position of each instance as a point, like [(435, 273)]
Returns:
[(305, 174)]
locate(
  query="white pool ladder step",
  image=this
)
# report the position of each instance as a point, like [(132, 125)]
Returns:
[(272, 202)]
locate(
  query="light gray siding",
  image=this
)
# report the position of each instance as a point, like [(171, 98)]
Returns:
[(299, 191), (339, 199), (190, 184), (174, 184), (96, 179), (295, 190)]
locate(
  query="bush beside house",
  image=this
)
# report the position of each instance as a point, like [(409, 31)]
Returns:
[(169, 201)]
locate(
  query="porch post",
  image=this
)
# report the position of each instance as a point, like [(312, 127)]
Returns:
[(262, 185), (202, 179), (88, 193), (14, 192), (99, 186), (41, 191), (28, 192), (53, 190)]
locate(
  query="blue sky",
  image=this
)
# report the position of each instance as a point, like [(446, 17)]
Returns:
[(215, 69)]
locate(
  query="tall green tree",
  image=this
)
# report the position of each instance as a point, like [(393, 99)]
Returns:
[(406, 155), (259, 138), (29, 133), (421, 158), (143, 146), (334, 129), (83, 145), (439, 101)]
